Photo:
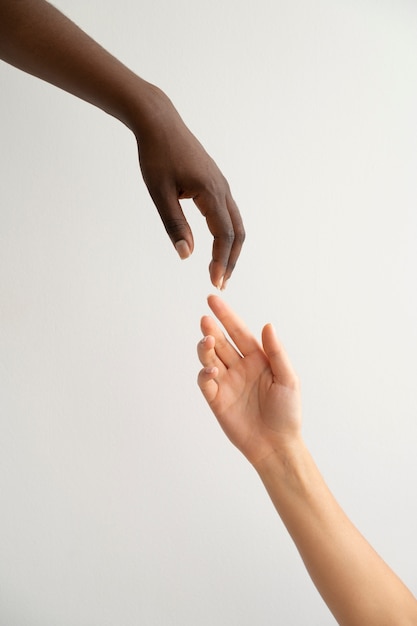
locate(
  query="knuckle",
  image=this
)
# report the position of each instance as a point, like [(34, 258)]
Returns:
[(240, 235), (175, 226), (210, 189), (215, 182), (228, 236)]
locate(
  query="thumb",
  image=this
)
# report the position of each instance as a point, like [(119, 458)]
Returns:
[(175, 223), (278, 358)]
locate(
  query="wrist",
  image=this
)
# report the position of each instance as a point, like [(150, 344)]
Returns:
[(285, 463), (146, 107)]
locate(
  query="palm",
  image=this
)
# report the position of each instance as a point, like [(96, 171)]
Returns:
[(254, 405), (250, 405)]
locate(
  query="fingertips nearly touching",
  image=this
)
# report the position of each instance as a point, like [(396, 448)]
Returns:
[(235, 327), (215, 303)]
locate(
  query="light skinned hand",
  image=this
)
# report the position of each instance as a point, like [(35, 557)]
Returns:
[(251, 388)]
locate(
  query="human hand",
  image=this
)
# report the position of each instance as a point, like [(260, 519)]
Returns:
[(175, 166), (39, 39), (252, 390)]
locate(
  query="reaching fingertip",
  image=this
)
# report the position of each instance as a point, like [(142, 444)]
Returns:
[(217, 271), (212, 298)]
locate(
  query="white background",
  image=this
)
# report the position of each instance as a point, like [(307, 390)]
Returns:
[(121, 500)]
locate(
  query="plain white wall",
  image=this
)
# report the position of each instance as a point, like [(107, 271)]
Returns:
[(121, 500)]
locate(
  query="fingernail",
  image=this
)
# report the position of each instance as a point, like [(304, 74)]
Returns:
[(204, 339), (225, 284), (183, 249), (220, 283)]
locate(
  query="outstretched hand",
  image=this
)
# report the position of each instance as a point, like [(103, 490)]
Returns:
[(175, 166), (39, 39), (252, 389)]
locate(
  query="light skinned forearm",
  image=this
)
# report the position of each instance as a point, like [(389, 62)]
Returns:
[(38, 39), (356, 584)]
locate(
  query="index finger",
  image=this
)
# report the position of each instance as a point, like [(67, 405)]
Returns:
[(235, 327)]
